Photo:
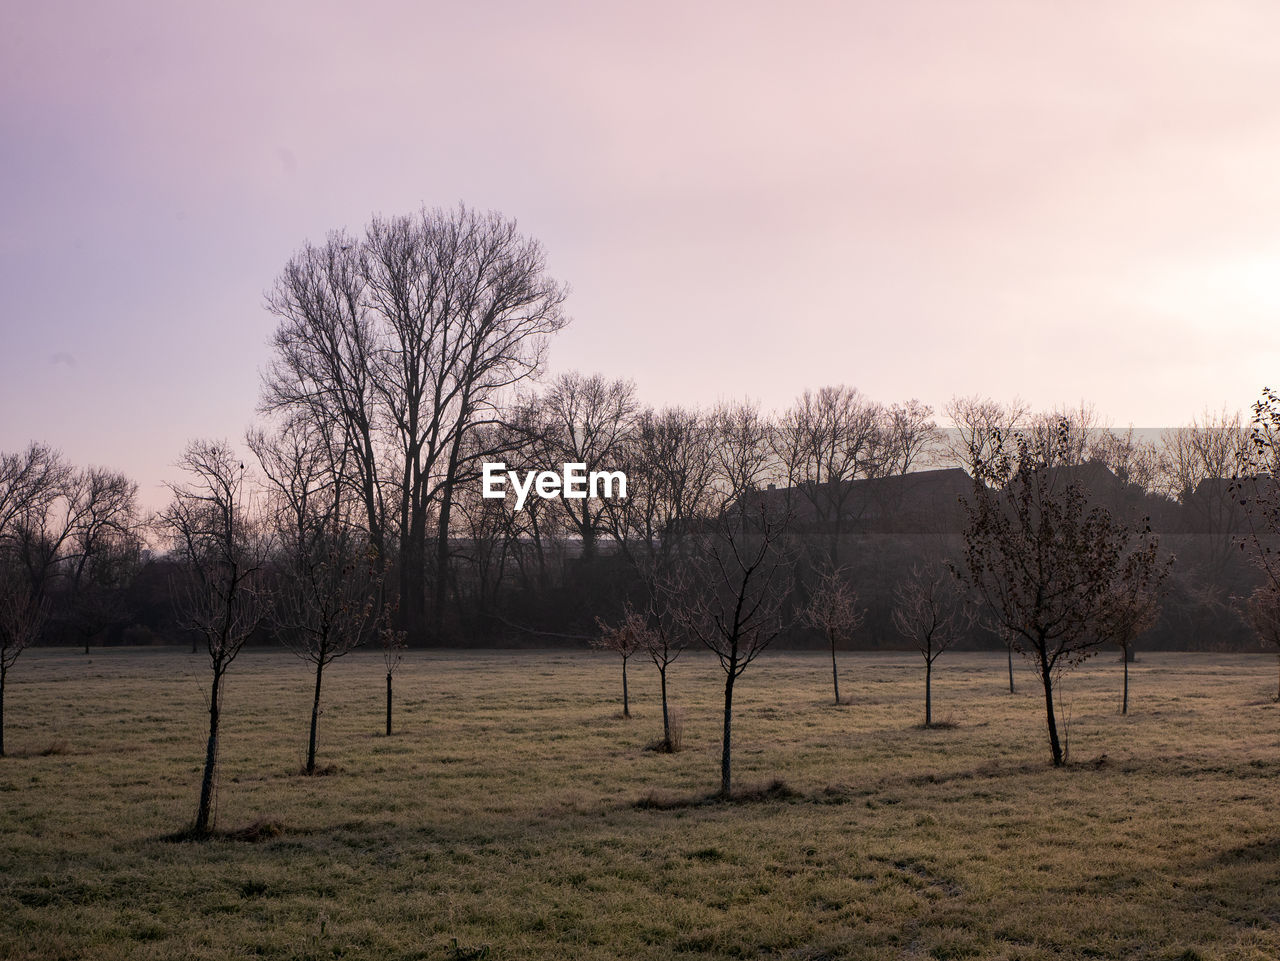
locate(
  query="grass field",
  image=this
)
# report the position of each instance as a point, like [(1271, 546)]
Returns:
[(516, 810)]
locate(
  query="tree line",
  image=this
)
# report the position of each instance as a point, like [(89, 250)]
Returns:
[(407, 356)]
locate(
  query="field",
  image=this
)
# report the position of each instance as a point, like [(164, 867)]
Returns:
[(516, 814)]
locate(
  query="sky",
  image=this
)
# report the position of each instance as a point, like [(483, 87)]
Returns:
[(1055, 202)]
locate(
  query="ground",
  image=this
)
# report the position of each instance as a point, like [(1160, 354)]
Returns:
[(515, 811)]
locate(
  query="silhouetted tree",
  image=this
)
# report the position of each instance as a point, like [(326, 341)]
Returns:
[(326, 596), (402, 341), (626, 638), (930, 610), (833, 610), (22, 616), (218, 537), (740, 579), (1044, 563)]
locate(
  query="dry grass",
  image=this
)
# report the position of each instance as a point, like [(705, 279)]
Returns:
[(515, 811)]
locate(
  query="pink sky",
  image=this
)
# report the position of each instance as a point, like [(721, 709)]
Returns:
[(919, 199)]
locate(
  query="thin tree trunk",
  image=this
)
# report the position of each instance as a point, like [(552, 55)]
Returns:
[(1055, 746), (626, 704), (388, 703), (1009, 651), (315, 718), (728, 734), (204, 816), (4, 673), (1124, 704), (666, 715), (928, 692), (835, 675)]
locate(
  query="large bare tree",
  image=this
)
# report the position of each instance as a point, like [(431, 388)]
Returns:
[(405, 340), (219, 540)]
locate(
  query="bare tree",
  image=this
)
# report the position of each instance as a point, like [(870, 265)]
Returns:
[(626, 638), (29, 483), (931, 611), (740, 582), (103, 549), (218, 537), (1045, 564), (1132, 606), (328, 579), (22, 616), (833, 610), (980, 429), (664, 642), (404, 341), (825, 440), (587, 420)]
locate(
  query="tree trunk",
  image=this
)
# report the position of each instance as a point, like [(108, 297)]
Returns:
[(1124, 704), (388, 703), (626, 704), (315, 718), (4, 672), (204, 816), (928, 692), (1009, 651), (666, 714), (442, 562), (728, 732), (1055, 746), (835, 675)]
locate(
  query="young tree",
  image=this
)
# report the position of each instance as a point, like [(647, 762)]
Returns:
[(393, 646), (741, 581), (930, 610), (833, 610), (664, 642), (1045, 564), (625, 639), (327, 580), (1132, 606), (219, 539)]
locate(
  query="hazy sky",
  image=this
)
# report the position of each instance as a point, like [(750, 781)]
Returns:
[(1057, 201)]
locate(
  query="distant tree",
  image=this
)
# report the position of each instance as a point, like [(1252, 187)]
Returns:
[(586, 420), (833, 610), (1044, 563), (626, 638), (981, 429), (103, 550), (402, 341), (931, 611), (218, 536), (1132, 606), (826, 440), (740, 582), (1263, 609)]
